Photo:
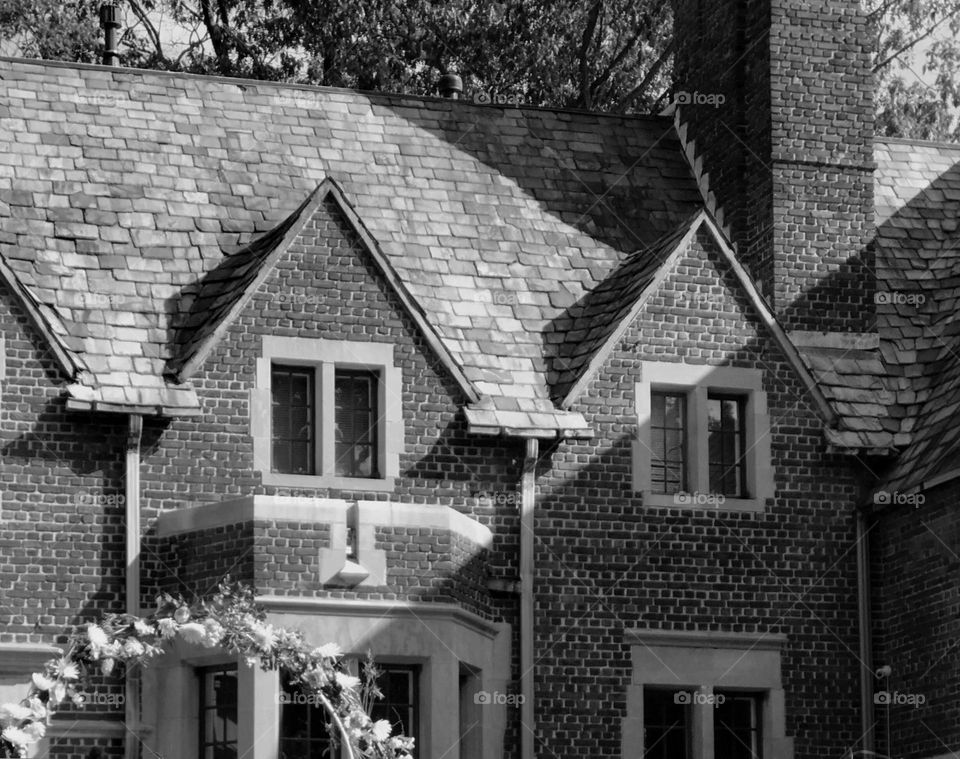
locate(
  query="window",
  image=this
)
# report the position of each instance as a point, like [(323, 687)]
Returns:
[(401, 697), (666, 725), (218, 712), (728, 469), (356, 420), (736, 726), (304, 726), (293, 419), (703, 437), (669, 433), (327, 413)]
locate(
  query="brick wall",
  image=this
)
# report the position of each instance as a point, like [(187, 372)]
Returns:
[(915, 554), (789, 150), (606, 562)]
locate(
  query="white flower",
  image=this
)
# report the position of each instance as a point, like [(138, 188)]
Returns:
[(264, 636), (348, 682), (144, 628), (42, 682), (78, 699), (106, 666), (193, 632), (316, 678), (98, 640), (381, 729), (17, 737), (182, 614), (15, 712), (66, 669), (168, 628), (38, 708), (214, 633), (329, 651), (133, 648), (36, 730)]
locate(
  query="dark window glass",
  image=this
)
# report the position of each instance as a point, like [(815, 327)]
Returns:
[(400, 703), (736, 727), (304, 727), (218, 712), (293, 419), (727, 445), (666, 725), (357, 422), (668, 431)]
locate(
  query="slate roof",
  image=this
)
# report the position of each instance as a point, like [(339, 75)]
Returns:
[(124, 188), (917, 197)]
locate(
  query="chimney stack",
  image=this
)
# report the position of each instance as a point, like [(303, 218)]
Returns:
[(778, 98), (451, 86), (110, 22)]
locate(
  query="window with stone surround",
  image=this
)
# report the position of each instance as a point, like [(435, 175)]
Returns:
[(218, 712), (327, 413), (703, 437), (710, 695)]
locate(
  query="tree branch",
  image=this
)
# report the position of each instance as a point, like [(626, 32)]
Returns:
[(586, 99), (658, 64), (152, 32), (890, 58)]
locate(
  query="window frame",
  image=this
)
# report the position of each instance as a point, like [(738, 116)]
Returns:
[(740, 434), (698, 382), (757, 700), (313, 449), (203, 709), (326, 357)]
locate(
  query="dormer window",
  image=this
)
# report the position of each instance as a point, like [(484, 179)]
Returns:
[(703, 437), (327, 413)]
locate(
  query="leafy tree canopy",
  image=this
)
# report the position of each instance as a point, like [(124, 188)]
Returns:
[(612, 55)]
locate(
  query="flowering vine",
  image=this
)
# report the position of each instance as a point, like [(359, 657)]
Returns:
[(230, 619)]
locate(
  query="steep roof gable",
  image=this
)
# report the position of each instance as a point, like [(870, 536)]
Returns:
[(226, 290)]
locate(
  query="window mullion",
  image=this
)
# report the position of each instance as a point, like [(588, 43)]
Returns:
[(327, 417), (700, 441)]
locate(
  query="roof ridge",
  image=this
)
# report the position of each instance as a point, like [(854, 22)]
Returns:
[(244, 81)]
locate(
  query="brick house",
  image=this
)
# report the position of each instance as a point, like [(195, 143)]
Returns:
[(616, 436)]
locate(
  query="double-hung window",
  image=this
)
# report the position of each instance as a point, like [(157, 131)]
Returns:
[(703, 437)]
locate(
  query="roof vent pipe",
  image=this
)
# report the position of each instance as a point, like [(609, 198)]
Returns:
[(110, 22), (451, 86)]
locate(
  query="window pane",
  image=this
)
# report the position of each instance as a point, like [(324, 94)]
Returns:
[(304, 732), (218, 712), (357, 423), (293, 419), (736, 727), (665, 726), (668, 437), (726, 443), (400, 702)]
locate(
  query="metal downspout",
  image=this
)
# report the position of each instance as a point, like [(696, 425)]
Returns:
[(866, 648), (132, 501), (527, 503)]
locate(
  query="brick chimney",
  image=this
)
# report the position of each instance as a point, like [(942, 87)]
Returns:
[(788, 146)]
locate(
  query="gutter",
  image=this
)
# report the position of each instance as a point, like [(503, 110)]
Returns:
[(528, 484), (865, 626), (132, 493)]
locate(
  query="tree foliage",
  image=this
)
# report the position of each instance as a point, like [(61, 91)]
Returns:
[(613, 55)]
